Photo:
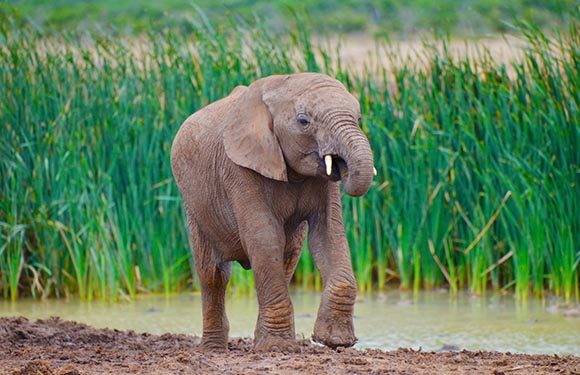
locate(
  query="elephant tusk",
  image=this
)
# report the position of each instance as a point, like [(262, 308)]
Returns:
[(374, 171), (328, 162)]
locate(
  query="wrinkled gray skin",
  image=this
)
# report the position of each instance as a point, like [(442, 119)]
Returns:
[(251, 176)]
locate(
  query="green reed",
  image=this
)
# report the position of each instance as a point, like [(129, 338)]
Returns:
[(478, 162)]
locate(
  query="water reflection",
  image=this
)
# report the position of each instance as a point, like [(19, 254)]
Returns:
[(431, 321)]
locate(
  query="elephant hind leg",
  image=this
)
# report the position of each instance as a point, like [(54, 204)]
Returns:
[(293, 250), (213, 279)]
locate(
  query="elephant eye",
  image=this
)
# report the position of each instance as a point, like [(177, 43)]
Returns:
[(303, 119)]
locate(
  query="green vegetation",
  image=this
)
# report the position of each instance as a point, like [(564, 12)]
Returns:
[(398, 17), (478, 162)]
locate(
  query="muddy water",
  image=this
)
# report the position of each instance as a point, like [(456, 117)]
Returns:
[(431, 321)]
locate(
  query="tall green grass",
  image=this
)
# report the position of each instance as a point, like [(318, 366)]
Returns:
[(478, 162)]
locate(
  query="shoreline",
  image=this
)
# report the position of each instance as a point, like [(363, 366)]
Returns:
[(56, 346)]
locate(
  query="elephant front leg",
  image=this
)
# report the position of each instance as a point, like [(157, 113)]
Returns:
[(334, 322), (275, 325), (329, 248)]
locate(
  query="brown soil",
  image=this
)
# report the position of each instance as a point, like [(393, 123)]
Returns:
[(55, 346)]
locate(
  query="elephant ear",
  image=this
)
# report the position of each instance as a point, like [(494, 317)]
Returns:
[(249, 138)]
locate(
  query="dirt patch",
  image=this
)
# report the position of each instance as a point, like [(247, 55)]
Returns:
[(54, 346)]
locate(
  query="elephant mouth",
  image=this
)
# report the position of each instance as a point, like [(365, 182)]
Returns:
[(339, 169)]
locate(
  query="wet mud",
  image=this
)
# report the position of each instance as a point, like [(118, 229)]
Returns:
[(55, 346)]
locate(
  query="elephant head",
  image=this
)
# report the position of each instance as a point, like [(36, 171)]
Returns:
[(304, 125)]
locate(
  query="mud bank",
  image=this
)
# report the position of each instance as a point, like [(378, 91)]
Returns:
[(55, 346)]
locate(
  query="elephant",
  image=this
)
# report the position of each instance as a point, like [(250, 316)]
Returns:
[(259, 170)]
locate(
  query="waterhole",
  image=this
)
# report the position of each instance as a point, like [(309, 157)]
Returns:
[(431, 321)]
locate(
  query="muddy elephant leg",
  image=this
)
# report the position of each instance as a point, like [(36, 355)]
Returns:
[(213, 281), (334, 322), (293, 250), (331, 254)]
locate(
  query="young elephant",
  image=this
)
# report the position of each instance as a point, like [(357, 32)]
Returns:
[(253, 168)]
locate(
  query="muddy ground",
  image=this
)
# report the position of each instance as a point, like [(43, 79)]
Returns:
[(55, 346)]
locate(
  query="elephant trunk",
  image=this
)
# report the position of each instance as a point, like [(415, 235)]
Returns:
[(356, 169)]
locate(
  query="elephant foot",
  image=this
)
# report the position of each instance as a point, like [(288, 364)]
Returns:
[(334, 330), (213, 345), (215, 341), (272, 343)]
